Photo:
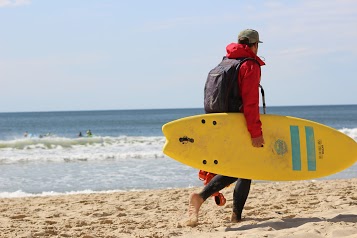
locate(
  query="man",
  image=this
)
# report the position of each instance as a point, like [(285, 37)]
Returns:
[(247, 102)]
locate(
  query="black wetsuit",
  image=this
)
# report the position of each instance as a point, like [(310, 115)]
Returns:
[(240, 194)]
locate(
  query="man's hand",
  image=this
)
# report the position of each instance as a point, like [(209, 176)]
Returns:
[(258, 141)]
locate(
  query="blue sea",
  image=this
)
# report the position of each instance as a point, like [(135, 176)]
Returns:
[(124, 153)]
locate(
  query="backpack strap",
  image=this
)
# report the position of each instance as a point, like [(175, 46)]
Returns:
[(263, 97), (260, 86)]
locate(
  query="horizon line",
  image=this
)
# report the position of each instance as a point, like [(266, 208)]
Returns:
[(182, 108)]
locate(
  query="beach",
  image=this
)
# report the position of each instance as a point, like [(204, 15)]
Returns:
[(118, 183), (274, 209)]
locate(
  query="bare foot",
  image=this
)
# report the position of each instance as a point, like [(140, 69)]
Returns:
[(235, 218), (195, 203)]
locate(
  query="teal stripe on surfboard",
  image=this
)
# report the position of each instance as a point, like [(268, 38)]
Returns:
[(295, 147), (310, 146)]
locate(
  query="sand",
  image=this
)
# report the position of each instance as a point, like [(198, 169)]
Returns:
[(305, 209)]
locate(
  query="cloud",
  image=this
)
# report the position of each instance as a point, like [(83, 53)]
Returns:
[(14, 3)]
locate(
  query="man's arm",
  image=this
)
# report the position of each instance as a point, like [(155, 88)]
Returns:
[(249, 77)]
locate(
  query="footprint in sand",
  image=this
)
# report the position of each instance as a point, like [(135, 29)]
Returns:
[(50, 222), (106, 221), (19, 216)]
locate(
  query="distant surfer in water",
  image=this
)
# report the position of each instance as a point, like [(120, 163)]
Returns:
[(80, 134), (89, 133), (245, 99)]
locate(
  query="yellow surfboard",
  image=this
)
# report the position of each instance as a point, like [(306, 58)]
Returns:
[(295, 149)]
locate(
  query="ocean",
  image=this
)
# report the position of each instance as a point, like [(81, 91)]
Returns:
[(124, 153)]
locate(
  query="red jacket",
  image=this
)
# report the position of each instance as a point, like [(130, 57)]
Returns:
[(248, 82)]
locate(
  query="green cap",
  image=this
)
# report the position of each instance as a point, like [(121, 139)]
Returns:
[(250, 34)]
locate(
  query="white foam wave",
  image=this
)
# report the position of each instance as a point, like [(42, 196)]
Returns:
[(62, 142), (20, 193), (350, 132), (57, 149), (80, 149)]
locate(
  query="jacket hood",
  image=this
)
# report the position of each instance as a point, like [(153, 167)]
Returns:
[(235, 50)]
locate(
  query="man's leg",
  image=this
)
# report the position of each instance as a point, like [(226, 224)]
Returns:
[(240, 196), (217, 183)]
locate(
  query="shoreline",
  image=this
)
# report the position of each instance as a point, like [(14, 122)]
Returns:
[(316, 208), (22, 194)]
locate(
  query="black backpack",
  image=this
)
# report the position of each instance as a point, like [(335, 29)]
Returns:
[(221, 92)]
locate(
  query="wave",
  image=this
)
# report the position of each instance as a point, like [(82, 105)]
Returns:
[(63, 142), (350, 132), (20, 193), (59, 149)]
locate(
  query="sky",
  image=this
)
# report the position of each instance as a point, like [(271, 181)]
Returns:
[(114, 55)]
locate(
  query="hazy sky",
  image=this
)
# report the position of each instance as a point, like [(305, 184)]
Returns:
[(110, 54)]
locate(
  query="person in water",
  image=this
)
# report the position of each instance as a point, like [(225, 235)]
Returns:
[(89, 133), (248, 80), (80, 134)]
